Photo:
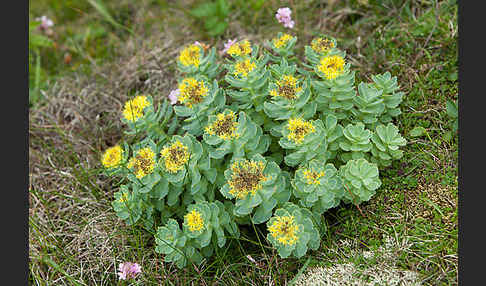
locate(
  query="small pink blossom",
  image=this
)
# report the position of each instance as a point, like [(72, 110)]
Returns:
[(173, 95), (128, 270), (283, 13), (283, 16), (227, 45), (197, 43), (45, 22)]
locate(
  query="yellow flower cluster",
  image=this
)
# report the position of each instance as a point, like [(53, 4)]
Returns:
[(321, 45), (313, 177), (332, 66), (192, 91), (284, 230), (287, 88), (112, 157), (194, 220), (299, 128), (190, 55), (244, 67), (224, 126), (175, 156), (143, 163), (282, 41), (123, 198), (240, 49), (134, 108), (247, 177)]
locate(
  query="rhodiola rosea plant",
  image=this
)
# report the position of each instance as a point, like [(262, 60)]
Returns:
[(254, 137)]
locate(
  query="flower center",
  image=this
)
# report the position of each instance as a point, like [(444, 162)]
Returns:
[(332, 66), (192, 91), (247, 178), (175, 156), (284, 230), (313, 177), (287, 92), (322, 45), (299, 129), (143, 163), (194, 220), (224, 127)]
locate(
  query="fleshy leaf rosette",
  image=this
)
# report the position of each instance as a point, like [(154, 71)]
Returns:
[(282, 45), (256, 185), (291, 231), (386, 141), (127, 206), (368, 105), (199, 99), (318, 184), (288, 94), (231, 134), (307, 138), (192, 60), (360, 179), (249, 76), (143, 170), (334, 93), (184, 161), (391, 97), (334, 132), (355, 142), (140, 115), (175, 245), (203, 219)]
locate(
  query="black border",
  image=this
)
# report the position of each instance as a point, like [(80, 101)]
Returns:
[(15, 139), (470, 206)]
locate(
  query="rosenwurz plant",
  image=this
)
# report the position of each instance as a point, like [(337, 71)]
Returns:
[(256, 137)]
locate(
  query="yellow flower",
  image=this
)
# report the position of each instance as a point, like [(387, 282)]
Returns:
[(282, 41), (284, 230), (134, 108), (240, 49), (321, 45), (143, 163), (123, 198), (175, 156), (192, 91), (194, 220), (287, 88), (299, 129), (247, 177), (190, 55), (331, 66), (112, 156), (313, 177), (224, 126), (244, 67)]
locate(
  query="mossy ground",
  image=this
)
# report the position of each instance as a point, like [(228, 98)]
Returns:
[(74, 235)]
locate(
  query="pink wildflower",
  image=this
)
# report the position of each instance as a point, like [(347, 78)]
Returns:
[(128, 270), (45, 22), (227, 45), (173, 95), (283, 16)]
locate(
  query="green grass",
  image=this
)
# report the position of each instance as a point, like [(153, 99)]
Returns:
[(75, 237)]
